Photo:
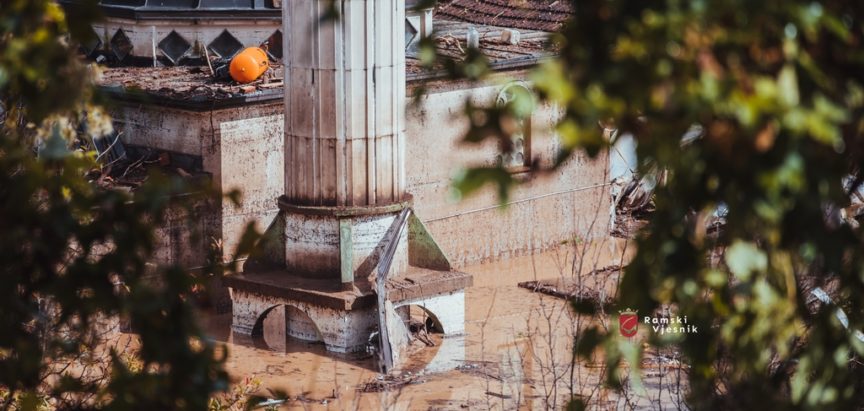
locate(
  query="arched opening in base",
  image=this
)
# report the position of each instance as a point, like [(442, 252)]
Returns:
[(426, 336), (281, 325), (418, 318)]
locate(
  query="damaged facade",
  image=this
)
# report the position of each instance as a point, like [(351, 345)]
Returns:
[(328, 154)]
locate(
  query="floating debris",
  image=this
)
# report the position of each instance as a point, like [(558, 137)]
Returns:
[(571, 289), (390, 382)]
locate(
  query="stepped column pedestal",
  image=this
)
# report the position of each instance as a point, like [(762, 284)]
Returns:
[(344, 160), (344, 136)]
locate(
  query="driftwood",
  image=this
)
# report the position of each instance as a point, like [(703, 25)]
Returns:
[(418, 330), (569, 289), (485, 369), (390, 382)]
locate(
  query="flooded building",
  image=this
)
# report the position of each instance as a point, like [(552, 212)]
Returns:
[(348, 181)]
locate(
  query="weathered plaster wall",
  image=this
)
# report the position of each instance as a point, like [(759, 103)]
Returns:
[(182, 239), (241, 148), (571, 202), (250, 160)]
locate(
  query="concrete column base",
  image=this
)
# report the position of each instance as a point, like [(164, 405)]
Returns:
[(342, 243), (340, 331), (344, 331)]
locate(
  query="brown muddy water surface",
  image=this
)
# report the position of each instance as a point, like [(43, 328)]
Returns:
[(515, 353)]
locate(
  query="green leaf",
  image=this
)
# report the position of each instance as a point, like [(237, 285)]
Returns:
[(787, 84)]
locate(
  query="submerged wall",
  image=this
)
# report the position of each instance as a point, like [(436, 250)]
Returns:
[(242, 148), (571, 202)]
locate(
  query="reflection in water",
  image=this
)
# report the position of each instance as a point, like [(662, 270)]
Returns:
[(515, 351)]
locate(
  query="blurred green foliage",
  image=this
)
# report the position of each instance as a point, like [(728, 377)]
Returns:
[(778, 91), (75, 255), (776, 88)]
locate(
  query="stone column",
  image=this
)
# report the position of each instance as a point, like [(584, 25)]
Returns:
[(344, 103), (344, 134)]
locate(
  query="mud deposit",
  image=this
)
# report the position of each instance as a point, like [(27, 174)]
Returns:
[(515, 353)]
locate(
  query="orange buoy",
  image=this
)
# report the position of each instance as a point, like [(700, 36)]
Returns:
[(248, 65)]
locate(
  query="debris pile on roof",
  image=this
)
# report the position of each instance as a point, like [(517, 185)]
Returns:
[(186, 83), (542, 15), (496, 43), (133, 168)]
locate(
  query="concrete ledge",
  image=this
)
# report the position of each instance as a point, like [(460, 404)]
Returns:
[(319, 292), (286, 205), (419, 283), (422, 283)]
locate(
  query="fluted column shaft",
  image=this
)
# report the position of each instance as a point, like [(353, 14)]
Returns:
[(344, 103)]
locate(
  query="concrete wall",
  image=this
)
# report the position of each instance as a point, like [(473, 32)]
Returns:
[(242, 148), (183, 239), (572, 202)]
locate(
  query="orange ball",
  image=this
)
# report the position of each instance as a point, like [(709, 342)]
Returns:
[(248, 65)]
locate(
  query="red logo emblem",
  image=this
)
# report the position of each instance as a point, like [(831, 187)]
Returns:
[(628, 322)]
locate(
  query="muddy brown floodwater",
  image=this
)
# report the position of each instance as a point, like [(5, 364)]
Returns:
[(515, 353)]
